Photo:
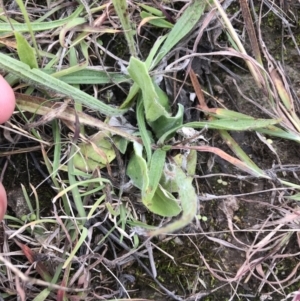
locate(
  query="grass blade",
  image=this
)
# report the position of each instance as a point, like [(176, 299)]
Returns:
[(240, 153), (183, 26), (40, 26), (82, 237), (121, 9), (225, 124), (48, 82)]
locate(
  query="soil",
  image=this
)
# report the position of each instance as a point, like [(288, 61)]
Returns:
[(205, 260)]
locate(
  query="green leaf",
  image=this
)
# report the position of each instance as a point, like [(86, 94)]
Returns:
[(135, 88), (155, 172), (188, 200), (156, 21), (139, 73), (295, 197), (25, 52), (80, 242), (187, 162), (122, 11), (168, 180), (69, 26), (137, 168), (42, 296), (96, 154), (151, 9), (28, 23), (143, 130), (278, 132), (234, 124), (162, 97), (40, 26), (228, 114), (121, 143), (225, 124), (166, 124), (38, 78), (183, 26), (235, 147), (76, 75), (154, 197), (153, 51), (164, 203)]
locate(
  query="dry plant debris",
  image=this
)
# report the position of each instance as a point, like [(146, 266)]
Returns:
[(153, 153)]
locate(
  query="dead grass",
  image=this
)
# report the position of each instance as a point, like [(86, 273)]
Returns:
[(248, 249)]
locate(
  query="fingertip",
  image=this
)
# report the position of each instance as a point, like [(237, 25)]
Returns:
[(7, 100), (3, 202)]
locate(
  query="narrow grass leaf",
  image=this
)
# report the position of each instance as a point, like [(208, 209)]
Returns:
[(45, 293), (240, 153), (123, 218), (136, 223), (75, 190), (225, 124), (69, 26), (227, 114), (57, 148), (153, 51), (25, 52), (96, 206), (40, 26), (40, 79), (123, 14), (278, 132), (42, 295), (26, 196), (93, 77), (151, 9), (81, 183), (183, 26), (154, 20), (295, 197), (82, 237), (234, 124)]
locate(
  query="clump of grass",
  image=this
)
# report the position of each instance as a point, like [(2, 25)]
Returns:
[(107, 169)]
